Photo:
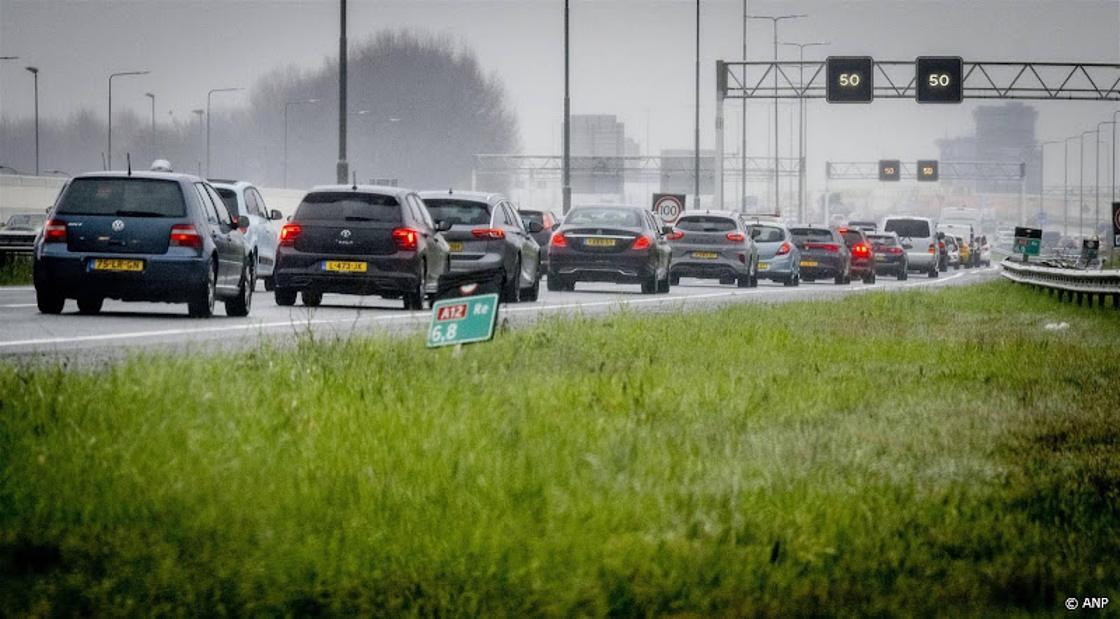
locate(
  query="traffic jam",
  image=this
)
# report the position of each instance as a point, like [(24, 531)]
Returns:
[(162, 236)]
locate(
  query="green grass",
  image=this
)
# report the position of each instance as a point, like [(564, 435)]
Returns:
[(15, 271), (917, 453)]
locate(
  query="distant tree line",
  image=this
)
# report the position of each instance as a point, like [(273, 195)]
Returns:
[(420, 107)]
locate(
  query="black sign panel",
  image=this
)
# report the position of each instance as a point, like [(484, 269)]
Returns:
[(890, 169), (850, 79), (1028, 233), (928, 170), (939, 79), (1116, 224)]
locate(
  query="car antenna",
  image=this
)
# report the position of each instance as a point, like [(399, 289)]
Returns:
[(450, 190), (354, 180), (128, 158)]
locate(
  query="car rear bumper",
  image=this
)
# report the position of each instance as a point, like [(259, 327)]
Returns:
[(475, 263), (921, 261), (617, 268), (861, 266), (384, 275), (164, 278), (718, 268), (819, 267), (889, 265), (776, 268)]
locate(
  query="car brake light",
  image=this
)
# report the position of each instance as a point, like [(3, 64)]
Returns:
[(406, 239), (54, 231), (736, 237), (489, 233), (559, 240), (784, 249), (675, 235), (289, 233), (861, 249), (933, 248), (642, 242), (894, 251), (185, 235)]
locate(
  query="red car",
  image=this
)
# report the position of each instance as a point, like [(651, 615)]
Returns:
[(863, 255)]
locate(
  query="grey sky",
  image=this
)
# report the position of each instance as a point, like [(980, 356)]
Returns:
[(633, 58)]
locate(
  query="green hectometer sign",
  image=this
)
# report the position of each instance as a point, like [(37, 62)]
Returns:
[(461, 321), (1028, 241)]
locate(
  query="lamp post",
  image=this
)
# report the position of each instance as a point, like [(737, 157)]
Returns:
[(342, 169), (209, 95), (1042, 173), (1097, 175), (153, 98), (1113, 190), (1081, 184), (35, 73), (1065, 189), (109, 150), (803, 123), (566, 174), (743, 128), (775, 19), (286, 106), (696, 139)]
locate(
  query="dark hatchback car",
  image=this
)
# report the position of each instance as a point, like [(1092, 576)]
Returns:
[(548, 222), (620, 244), (890, 256), (862, 254), (487, 234), (142, 236), (824, 254), (361, 240)]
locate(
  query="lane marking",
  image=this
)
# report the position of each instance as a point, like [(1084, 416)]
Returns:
[(19, 305)]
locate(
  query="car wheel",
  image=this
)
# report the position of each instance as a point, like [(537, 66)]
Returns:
[(555, 284), (241, 304), (90, 305), (796, 281), (839, 279), (284, 297), (649, 286), (933, 273), (414, 299), (201, 304), (903, 275), (311, 299), (754, 274), (744, 281), (269, 284), (870, 279), (664, 285), (675, 280), (532, 293), (49, 302), (511, 288)]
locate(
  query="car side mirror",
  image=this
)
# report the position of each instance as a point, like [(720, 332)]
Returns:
[(241, 222), (275, 215), (442, 225), (534, 227)]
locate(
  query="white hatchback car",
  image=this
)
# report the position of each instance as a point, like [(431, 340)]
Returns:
[(243, 199)]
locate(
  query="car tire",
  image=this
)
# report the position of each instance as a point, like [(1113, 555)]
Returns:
[(796, 281), (664, 285), (903, 275), (285, 297), (754, 275), (511, 287), (649, 286), (90, 305), (869, 279), (532, 293), (240, 305), (311, 298), (555, 283), (201, 303), (934, 273), (49, 301), (414, 299), (269, 284)]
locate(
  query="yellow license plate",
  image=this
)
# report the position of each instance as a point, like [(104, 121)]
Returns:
[(455, 245), (344, 267), (705, 255), (601, 242), (762, 266), (113, 264), (808, 263)]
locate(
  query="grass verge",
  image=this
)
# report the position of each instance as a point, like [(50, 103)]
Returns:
[(15, 270), (913, 453)]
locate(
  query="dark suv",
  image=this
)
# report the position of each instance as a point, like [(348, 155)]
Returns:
[(142, 236), (621, 244), (824, 254), (360, 240)]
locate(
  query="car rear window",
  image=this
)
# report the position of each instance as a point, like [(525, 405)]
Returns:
[(123, 197), (349, 206), (912, 228), (459, 212), (766, 234), (884, 241), (527, 216), (229, 196), (604, 216), (699, 223), (851, 236), (812, 235)]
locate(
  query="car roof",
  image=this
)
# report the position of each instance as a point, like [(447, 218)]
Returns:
[(177, 176), (476, 196), (728, 214), (230, 184), (396, 192)]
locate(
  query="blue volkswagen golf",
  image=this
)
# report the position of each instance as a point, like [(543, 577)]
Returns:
[(142, 236)]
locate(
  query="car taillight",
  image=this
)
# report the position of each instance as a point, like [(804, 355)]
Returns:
[(860, 249), (185, 235), (894, 251), (675, 235), (736, 237), (289, 233), (489, 233), (642, 242), (784, 249), (54, 231), (933, 248), (406, 239), (559, 240)]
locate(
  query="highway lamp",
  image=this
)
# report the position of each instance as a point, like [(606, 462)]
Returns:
[(109, 150), (775, 19), (153, 98), (209, 95), (286, 106), (1042, 173), (803, 123), (35, 73)]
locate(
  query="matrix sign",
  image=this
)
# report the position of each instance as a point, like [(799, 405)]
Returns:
[(890, 169), (461, 321), (850, 79), (939, 79), (1028, 241), (927, 170)]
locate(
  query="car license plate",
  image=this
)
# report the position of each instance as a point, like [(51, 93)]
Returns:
[(762, 266), (455, 245), (880, 258), (114, 264), (808, 263), (344, 267), (705, 255), (600, 242)]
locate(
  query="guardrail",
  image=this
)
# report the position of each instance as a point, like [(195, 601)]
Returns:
[(1074, 285)]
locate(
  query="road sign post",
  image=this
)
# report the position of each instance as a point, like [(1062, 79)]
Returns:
[(1028, 242), (462, 321)]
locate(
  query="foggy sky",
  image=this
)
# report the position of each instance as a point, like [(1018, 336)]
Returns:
[(633, 58)]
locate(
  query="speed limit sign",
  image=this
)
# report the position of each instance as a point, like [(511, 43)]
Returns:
[(1116, 224), (668, 206)]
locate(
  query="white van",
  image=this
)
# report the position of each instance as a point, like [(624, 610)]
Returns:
[(919, 238)]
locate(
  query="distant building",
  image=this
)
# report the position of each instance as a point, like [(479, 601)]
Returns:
[(1004, 133), (598, 143)]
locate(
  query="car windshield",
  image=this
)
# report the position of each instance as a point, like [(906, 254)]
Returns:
[(766, 234), (229, 196), (459, 212), (603, 216), (123, 197), (706, 224), (349, 206), (884, 241), (912, 228), (812, 235)]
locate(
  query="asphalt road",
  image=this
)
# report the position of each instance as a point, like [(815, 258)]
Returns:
[(125, 327)]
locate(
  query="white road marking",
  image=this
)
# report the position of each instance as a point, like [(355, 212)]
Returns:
[(19, 305)]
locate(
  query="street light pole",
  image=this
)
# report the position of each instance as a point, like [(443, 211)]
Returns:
[(566, 197), (775, 19), (743, 144), (109, 151), (1097, 176), (1065, 188), (803, 124), (286, 106), (209, 95), (696, 140), (35, 72), (1081, 185), (343, 168), (1042, 173), (153, 98), (1113, 190)]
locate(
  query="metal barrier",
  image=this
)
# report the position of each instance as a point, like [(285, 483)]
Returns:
[(1075, 285)]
